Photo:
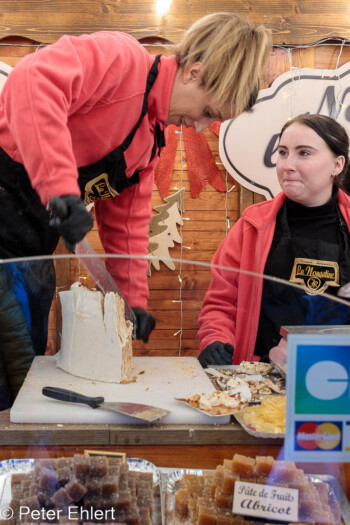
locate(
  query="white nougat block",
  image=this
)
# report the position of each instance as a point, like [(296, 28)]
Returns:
[(96, 339)]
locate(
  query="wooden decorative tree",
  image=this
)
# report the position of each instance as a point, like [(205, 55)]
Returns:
[(163, 232)]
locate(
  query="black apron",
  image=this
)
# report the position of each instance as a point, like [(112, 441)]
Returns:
[(316, 265), (27, 232), (106, 178)]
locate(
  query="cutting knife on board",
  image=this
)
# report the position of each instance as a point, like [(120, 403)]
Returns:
[(92, 262), (145, 412)]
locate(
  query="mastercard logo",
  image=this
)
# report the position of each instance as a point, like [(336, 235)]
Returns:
[(318, 436)]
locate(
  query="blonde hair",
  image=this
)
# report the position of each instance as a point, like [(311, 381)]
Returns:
[(233, 54)]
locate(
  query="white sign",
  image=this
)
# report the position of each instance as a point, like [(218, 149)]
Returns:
[(265, 501), (318, 398), (248, 144), (5, 70)]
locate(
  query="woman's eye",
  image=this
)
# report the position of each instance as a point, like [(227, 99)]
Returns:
[(304, 153), (282, 153)]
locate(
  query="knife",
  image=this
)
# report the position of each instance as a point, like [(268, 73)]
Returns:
[(145, 412), (92, 262)]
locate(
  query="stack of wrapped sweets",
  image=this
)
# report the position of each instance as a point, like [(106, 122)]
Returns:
[(83, 489), (208, 499)]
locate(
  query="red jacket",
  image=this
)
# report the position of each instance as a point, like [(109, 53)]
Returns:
[(231, 306), (70, 104)]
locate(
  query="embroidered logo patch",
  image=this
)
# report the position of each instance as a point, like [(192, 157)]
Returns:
[(315, 276), (99, 188)]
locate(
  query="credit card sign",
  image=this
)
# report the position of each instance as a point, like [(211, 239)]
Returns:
[(318, 398)]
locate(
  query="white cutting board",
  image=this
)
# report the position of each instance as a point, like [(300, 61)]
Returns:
[(164, 378)]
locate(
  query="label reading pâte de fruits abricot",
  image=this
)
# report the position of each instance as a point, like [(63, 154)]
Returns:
[(265, 501)]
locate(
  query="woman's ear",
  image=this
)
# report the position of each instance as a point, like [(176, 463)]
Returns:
[(192, 73), (338, 165)]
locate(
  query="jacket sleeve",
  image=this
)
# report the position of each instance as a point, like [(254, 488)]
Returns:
[(43, 91), (17, 352), (217, 319), (123, 224)]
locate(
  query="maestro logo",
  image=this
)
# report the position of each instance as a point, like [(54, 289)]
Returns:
[(248, 144), (318, 436), (322, 380)]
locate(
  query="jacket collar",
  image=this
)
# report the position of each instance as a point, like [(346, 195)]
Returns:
[(159, 97), (261, 215)]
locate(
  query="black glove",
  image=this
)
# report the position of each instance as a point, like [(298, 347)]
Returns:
[(216, 354), (145, 323), (70, 217)]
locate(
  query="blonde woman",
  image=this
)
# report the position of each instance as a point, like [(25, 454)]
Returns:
[(83, 121)]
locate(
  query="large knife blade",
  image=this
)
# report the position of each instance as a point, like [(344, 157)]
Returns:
[(92, 262), (145, 412)]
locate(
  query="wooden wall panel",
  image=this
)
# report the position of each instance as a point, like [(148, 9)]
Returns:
[(292, 21)]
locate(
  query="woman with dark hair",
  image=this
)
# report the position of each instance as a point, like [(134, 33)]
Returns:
[(302, 236)]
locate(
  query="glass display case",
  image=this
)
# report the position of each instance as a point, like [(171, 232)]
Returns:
[(223, 430)]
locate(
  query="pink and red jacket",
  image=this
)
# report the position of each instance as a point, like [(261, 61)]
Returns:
[(231, 307), (71, 103)]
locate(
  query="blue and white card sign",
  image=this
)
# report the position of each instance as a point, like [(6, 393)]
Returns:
[(318, 398)]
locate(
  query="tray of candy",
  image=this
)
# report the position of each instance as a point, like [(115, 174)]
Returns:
[(213, 407), (265, 420), (78, 513), (171, 482), (260, 385), (247, 367), (251, 430)]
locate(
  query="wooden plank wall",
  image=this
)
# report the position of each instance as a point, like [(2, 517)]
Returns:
[(292, 21), (202, 233)]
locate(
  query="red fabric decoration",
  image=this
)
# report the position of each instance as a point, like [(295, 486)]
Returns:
[(165, 166), (215, 128), (200, 161), (201, 165)]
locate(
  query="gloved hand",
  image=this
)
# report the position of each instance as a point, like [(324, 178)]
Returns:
[(70, 217), (145, 322), (216, 354)]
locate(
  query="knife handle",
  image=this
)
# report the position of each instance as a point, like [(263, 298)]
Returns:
[(72, 397)]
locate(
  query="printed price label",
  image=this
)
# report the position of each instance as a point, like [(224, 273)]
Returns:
[(265, 501), (107, 454)]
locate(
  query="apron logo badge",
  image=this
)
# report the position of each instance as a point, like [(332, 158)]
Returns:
[(314, 275), (99, 188)]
